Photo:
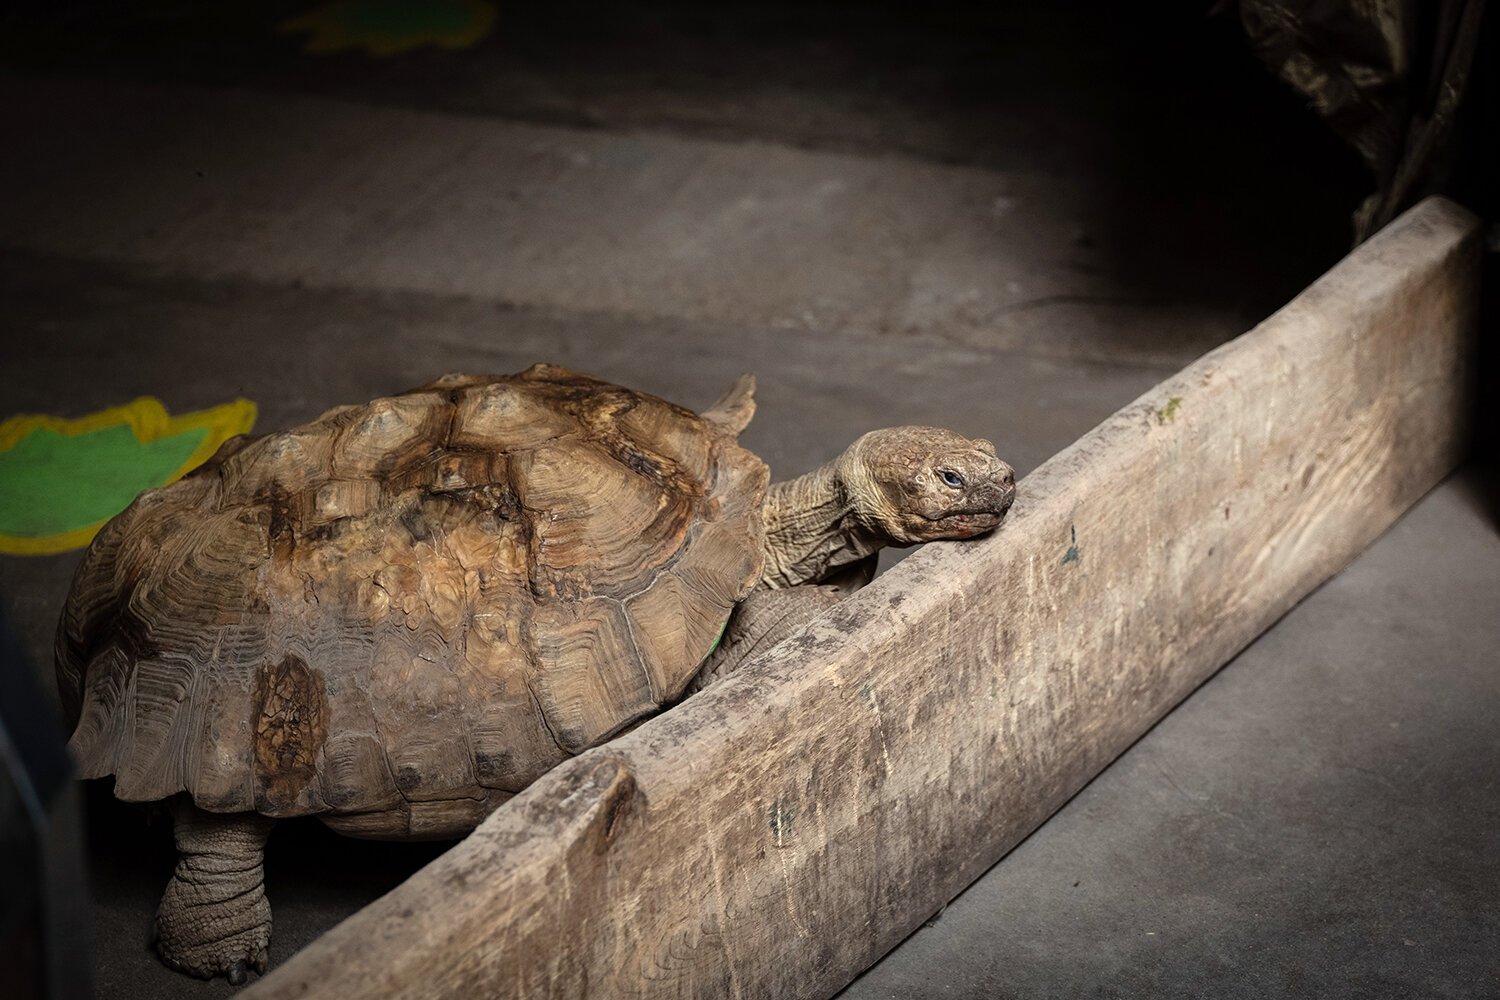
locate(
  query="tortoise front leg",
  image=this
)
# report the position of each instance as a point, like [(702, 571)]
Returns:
[(853, 576), (214, 919), (760, 621)]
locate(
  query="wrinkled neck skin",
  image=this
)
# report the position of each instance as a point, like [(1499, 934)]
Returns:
[(813, 528)]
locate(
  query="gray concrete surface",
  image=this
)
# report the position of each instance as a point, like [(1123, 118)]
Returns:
[(295, 189), (969, 221)]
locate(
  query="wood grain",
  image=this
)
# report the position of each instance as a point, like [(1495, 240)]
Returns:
[(777, 833)]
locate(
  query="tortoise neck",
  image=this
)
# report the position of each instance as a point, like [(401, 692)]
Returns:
[(812, 529)]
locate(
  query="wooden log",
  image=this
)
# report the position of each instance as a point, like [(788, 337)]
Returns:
[(779, 832)]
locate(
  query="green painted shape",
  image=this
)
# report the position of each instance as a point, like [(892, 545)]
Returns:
[(718, 640), (53, 483), (1168, 413)]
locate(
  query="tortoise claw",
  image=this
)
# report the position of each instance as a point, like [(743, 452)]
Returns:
[(236, 973)]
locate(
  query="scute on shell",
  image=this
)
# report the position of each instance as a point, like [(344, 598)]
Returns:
[(403, 612)]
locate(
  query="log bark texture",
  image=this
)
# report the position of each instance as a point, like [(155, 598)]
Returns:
[(779, 832)]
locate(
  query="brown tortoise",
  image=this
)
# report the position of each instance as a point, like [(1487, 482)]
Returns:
[(399, 615)]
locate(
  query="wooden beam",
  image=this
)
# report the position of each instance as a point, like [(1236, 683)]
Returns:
[(778, 833)]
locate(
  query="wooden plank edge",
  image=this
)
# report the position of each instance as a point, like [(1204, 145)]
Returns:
[(775, 835)]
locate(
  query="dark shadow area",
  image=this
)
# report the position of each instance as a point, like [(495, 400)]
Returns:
[(44, 905), (1205, 181), (1476, 184)]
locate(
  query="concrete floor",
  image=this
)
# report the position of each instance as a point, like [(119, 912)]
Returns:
[(969, 220)]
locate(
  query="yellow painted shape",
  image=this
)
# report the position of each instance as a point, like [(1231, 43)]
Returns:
[(149, 421)]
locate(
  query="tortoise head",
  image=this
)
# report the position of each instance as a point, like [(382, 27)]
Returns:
[(922, 484)]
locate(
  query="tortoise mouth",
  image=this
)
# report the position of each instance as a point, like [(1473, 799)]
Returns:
[(976, 521), (966, 525)]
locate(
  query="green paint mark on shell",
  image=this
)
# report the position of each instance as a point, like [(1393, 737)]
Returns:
[(1168, 413), (720, 639), (1072, 555)]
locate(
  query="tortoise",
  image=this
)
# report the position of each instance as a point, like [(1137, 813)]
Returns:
[(399, 615)]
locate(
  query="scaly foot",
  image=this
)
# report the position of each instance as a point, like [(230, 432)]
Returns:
[(214, 918)]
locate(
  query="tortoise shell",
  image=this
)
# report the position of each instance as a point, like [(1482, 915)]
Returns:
[(402, 613)]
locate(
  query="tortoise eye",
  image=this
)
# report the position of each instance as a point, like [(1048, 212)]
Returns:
[(951, 478)]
